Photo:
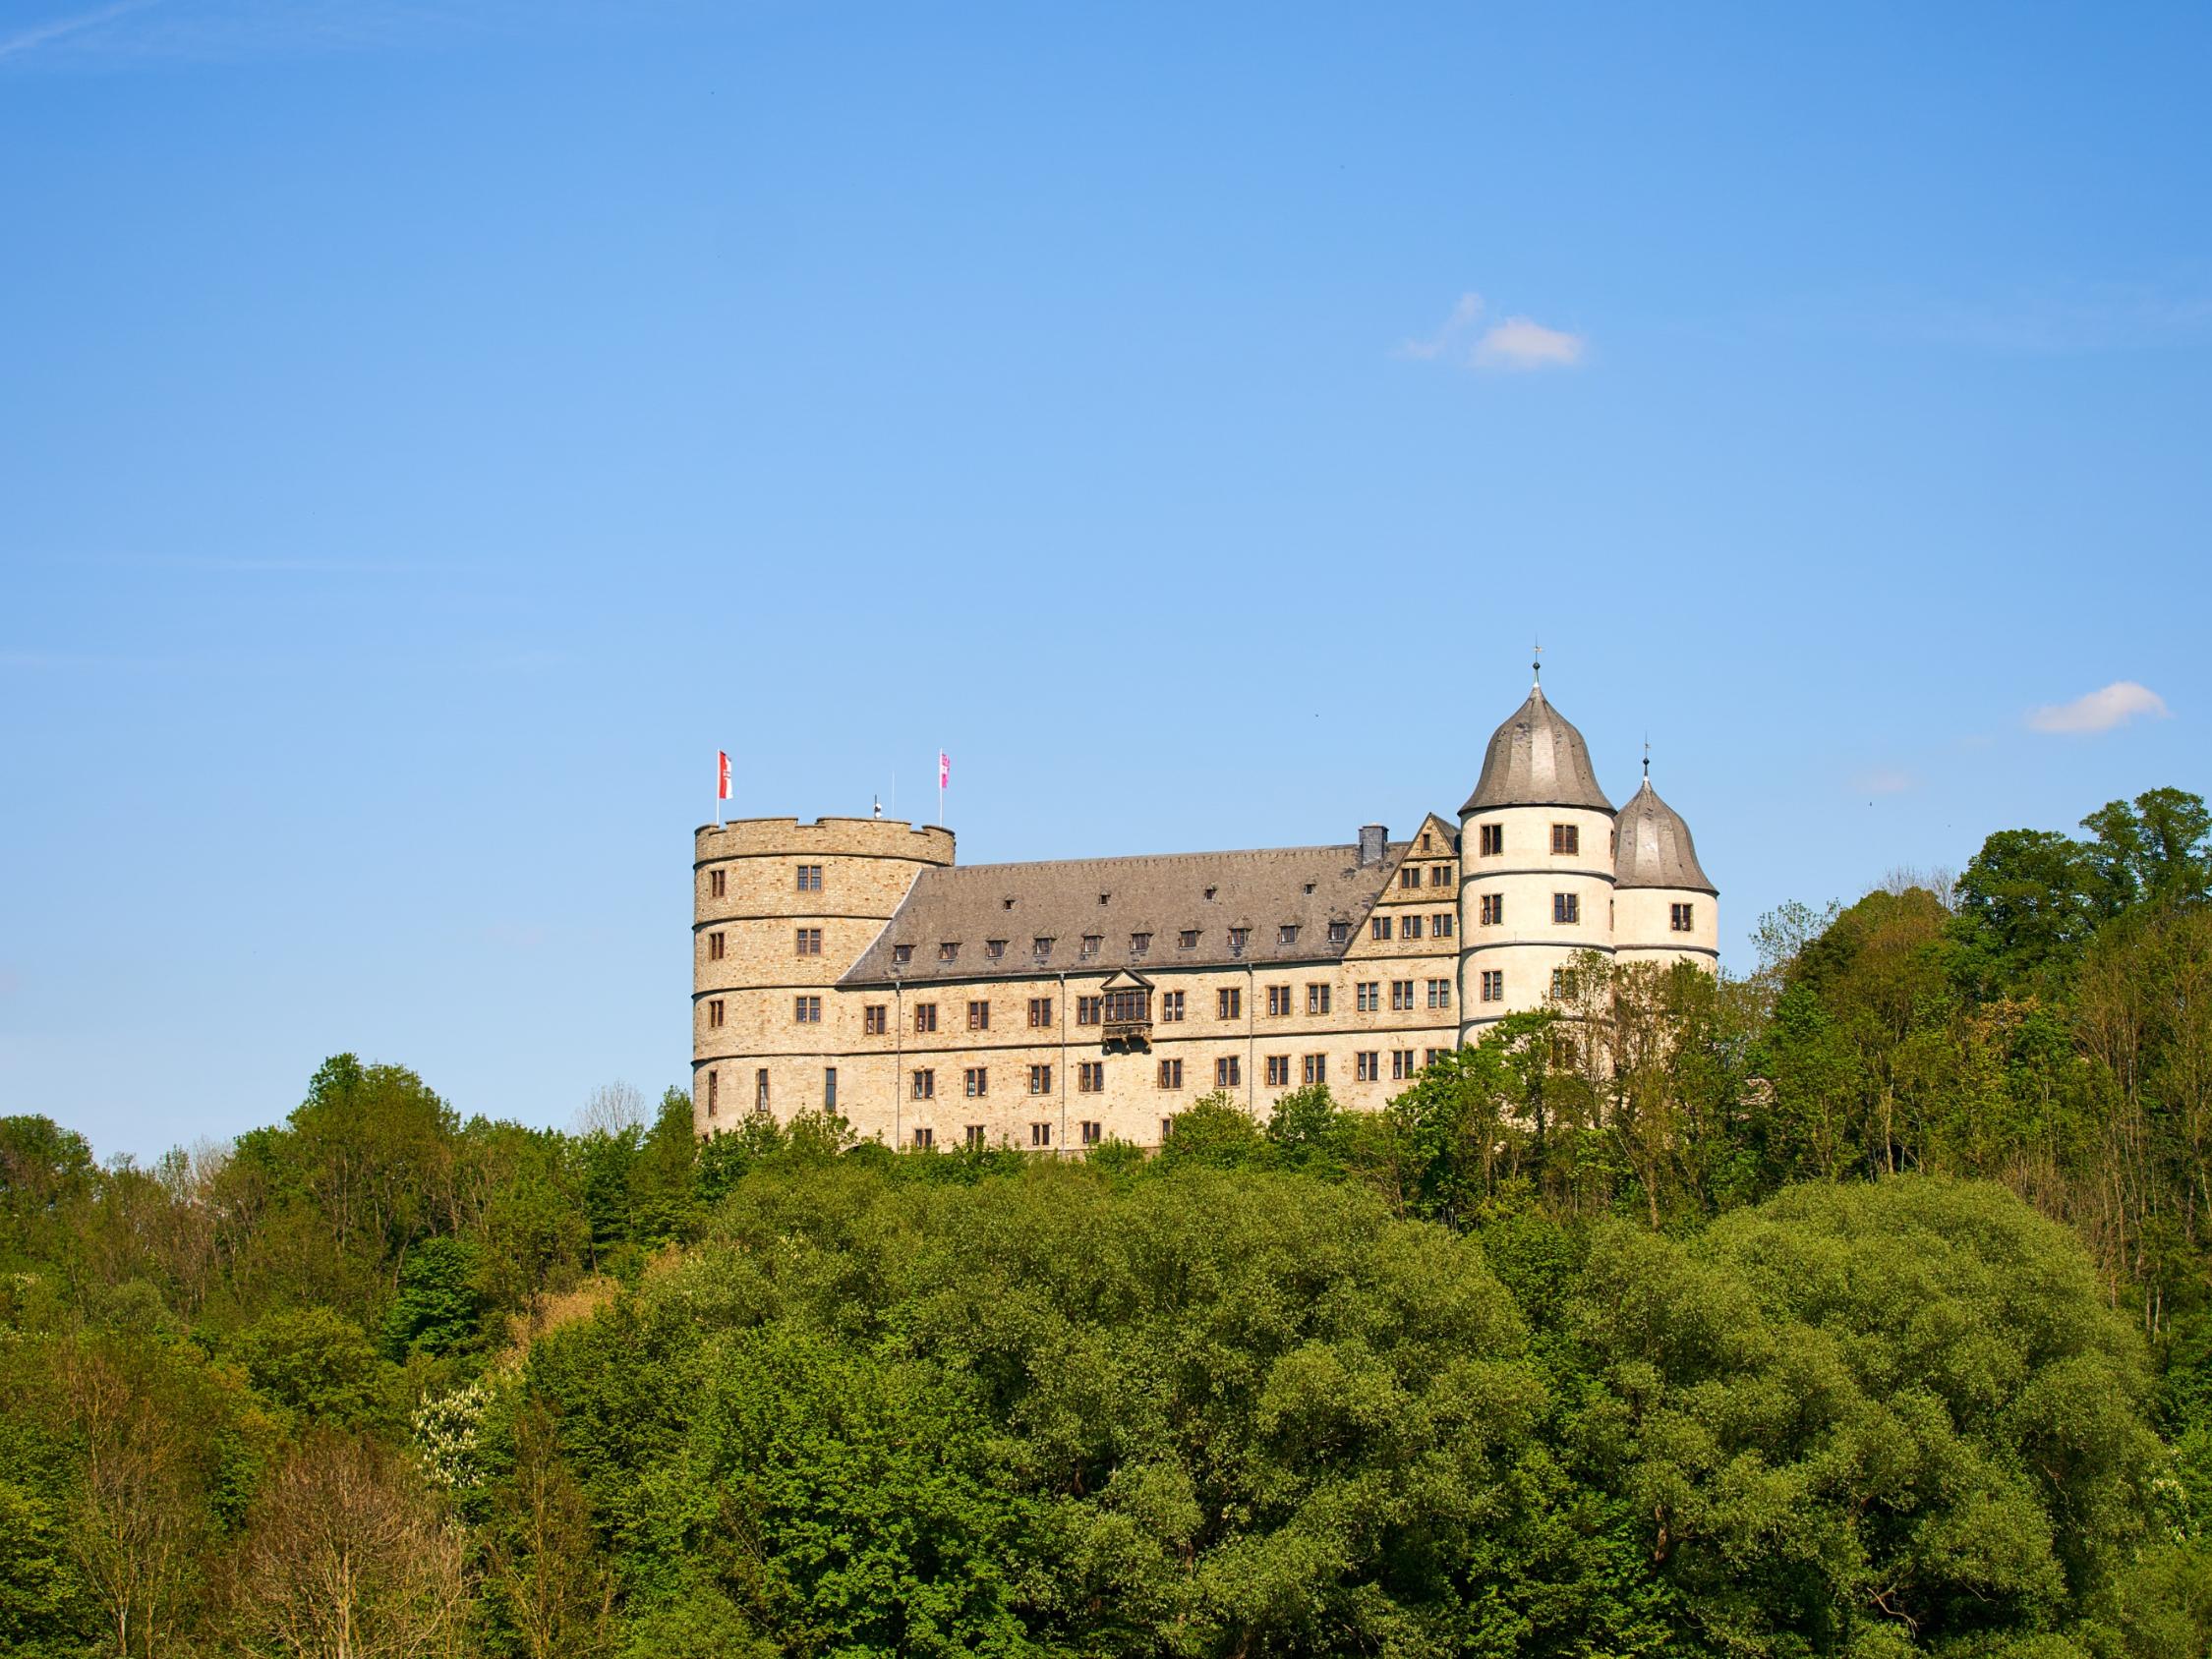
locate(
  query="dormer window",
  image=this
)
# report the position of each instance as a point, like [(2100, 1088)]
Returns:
[(1091, 942), (1040, 947), (1310, 887), (1210, 891), (994, 948), (1187, 939), (1237, 938), (1138, 943), (1339, 931), (901, 953), (1288, 935), (1007, 902), (947, 951), (1104, 896)]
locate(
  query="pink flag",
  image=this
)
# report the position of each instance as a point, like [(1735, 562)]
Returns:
[(943, 769), (721, 775)]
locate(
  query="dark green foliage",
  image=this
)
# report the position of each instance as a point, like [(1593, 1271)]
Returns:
[(314, 1364), (437, 1309)]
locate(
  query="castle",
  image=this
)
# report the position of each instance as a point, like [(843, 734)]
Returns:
[(850, 964)]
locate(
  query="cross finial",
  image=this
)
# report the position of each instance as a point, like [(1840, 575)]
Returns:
[(1536, 667), (1646, 760)]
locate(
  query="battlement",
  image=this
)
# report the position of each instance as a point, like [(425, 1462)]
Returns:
[(845, 837)]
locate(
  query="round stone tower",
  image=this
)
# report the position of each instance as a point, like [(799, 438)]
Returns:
[(1535, 865), (780, 910), (1664, 907)]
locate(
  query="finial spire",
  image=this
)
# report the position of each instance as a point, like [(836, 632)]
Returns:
[(1646, 760), (1536, 667)]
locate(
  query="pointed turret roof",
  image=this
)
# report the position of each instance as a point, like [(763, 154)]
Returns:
[(1537, 759), (1652, 846)]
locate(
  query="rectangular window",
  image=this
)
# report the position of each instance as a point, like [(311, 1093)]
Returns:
[(1040, 1135), (1171, 1005), (1093, 1131), (1278, 1000), (717, 883), (1439, 993), (715, 948), (902, 955), (980, 1016), (975, 1081), (1040, 948), (1413, 927), (1493, 984), (810, 941), (1229, 1002), (1092, 943), (925, 1084), (1562, 981), (1379, 928), (1494, 909), (1278, 1071), (1493, 839), (1367, 1066), (1091, 1077), (875, 1019), (1680, 917), (1167, 1127), (760, 1090), (1041, 1079), (1401, 996), (829, 1088), (1237, 938), (807, 1011), (714, 1012), (1316, 1069), (1288, 935), (1440, 875), (1339, 931), (1429, 1057), (925, 1019), (1566, 908), (810, 878), (1128, 1008), (714, 1093), (1366, 995), (1401, 1064), (924, 1139), (1040, 1013), (973, 1135), (1228, 1072), (1088, 1009), (1566, 840), (1440, 923), (1171, 1074), (995, 948), (1187, 939), (949, 951), (1138, 943), (1316, 998), (1408, 877)]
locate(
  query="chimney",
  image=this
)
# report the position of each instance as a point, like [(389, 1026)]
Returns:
[(1372, 836)]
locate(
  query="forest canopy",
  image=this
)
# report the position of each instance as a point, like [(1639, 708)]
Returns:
[(1857, 1306)]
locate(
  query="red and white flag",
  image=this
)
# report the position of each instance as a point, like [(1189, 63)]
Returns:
[(721, 775), (943, 769)]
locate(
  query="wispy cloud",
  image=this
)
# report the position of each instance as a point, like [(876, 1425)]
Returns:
[(60, 29), (1514, 343), (1518, 343), (2102, 709), (1885, 781)]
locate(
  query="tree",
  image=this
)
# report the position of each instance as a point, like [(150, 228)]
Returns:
[(544, 1571), (347, 1558)]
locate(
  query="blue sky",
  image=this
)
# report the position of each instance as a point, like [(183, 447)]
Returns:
[(427, 432)]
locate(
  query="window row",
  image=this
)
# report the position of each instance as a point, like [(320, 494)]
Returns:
[(1439, 875), (809, 880), (1094, 945), (1566, 841), (1438, 926), (1404, 997)]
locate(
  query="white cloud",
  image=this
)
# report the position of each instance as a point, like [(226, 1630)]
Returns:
[(2112, 706), (1518, 343), (37, 35), (1464, 313)]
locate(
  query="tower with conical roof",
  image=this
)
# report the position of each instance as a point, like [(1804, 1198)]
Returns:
[(1535, 865), (1666, 909)]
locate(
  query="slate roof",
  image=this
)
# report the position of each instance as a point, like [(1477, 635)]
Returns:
[(1652, 846), (1537, 759), (1261, 890)]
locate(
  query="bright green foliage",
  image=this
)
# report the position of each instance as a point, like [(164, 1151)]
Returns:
[(314, 1363)]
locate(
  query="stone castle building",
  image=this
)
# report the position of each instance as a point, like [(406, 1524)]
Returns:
[(852, 964)]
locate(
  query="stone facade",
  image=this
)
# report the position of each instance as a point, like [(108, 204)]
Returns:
[(848, 964)]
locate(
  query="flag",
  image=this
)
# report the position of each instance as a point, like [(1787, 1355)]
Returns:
[(943, 769), (721, 775)]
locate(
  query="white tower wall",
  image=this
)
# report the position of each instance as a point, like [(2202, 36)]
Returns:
[(1643, 931), (1525, 875)]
